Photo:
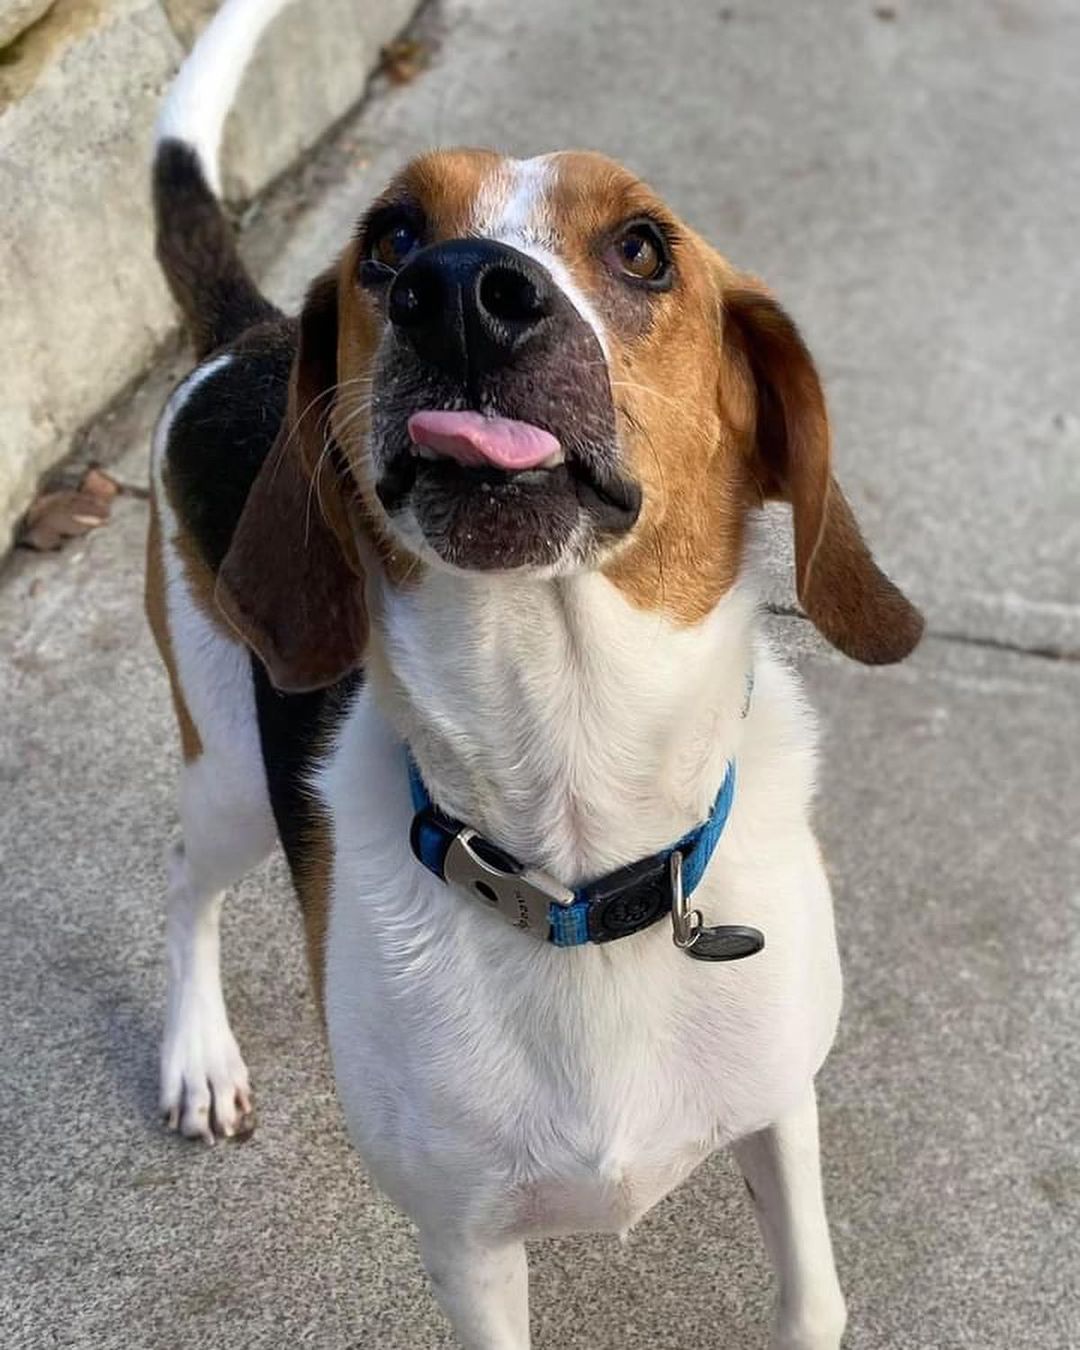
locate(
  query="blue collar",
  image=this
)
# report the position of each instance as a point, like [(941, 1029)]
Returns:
[(614, 906)]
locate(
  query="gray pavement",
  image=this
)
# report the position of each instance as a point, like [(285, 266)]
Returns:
[(911, 186)]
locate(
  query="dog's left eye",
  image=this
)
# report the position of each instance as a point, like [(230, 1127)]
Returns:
[(394, 242), (640, 253)]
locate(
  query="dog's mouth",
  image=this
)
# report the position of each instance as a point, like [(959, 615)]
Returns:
[(490, 491)]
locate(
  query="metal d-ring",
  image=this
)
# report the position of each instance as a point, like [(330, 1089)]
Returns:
[(685, 922), (724, 942)]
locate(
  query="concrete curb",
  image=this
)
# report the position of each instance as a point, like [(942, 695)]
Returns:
[(84, 305)]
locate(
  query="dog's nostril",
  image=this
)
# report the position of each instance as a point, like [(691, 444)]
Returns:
[(509, 295)]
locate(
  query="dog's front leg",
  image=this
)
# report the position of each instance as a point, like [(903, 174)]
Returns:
[(782, 1168), (483, 1289)]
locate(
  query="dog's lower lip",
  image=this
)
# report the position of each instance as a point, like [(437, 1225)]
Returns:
[(615, 501)]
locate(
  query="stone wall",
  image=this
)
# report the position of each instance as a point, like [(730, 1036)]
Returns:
[(82, 304)]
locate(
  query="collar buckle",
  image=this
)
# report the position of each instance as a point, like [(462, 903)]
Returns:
[(523, 895)]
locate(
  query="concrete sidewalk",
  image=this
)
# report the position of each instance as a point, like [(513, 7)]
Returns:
[(908, 178)]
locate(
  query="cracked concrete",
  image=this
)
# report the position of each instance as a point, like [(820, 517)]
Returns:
[(909, 186)]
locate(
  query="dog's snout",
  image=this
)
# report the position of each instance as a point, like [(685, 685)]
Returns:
[(470, 305)]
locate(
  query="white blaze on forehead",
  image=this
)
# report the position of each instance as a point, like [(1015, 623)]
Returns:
[(512, 201), (513, 207)]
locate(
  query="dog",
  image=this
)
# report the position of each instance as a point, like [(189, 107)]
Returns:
[(451, 578)]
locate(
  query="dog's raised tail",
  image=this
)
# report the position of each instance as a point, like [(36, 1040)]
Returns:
[(195, 243)]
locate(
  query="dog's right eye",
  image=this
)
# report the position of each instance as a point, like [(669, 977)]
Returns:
[(393, 241)]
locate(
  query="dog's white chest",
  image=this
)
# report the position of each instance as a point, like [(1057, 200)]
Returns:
[(571, 1088), (610, 1195)]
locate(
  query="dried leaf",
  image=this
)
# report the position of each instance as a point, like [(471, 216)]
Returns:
[(404, 59), (99, 484), (69, 512)]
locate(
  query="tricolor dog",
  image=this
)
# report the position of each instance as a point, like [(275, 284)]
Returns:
[(450, 578)]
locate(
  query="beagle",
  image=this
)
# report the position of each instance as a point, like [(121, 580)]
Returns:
[(450, 578)]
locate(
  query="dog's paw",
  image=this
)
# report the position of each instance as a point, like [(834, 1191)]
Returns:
[(205, 1089), (817, 1328)]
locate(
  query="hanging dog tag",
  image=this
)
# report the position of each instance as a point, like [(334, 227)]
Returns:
[(723, 942), (726, 942)]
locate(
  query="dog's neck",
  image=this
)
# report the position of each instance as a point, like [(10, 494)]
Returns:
[(575, 730)]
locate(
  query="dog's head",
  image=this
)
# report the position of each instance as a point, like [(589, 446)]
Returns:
[(534, 365)]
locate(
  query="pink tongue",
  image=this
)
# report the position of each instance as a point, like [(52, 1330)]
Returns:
[(473, 439)]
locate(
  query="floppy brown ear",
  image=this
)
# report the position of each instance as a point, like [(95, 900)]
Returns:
[(849, 599), (290, 583)]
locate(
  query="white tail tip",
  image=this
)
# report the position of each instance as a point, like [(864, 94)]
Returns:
[(205, 88)]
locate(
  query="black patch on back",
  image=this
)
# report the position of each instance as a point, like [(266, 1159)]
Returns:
[(222, 434), (293, 730)]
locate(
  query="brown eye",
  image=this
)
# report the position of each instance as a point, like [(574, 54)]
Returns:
[(640, 253), (393, 244)]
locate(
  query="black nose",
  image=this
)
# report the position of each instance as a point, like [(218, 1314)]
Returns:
[(470, 305)]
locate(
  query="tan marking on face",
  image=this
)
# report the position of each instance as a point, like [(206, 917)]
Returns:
[(449, 184), (684, 410), (157, 617), (685, 414)]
